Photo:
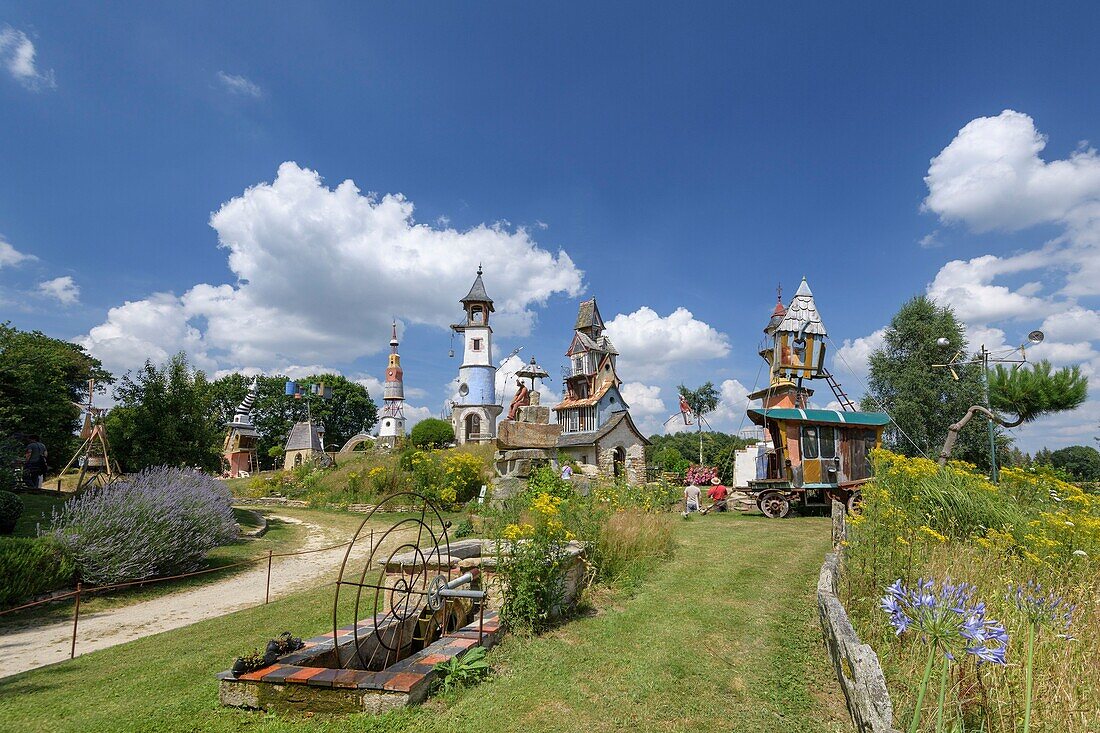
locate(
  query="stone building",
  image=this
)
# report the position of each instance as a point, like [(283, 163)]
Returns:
[(391, 423), (305, 444), (595, 419), (475, 410)]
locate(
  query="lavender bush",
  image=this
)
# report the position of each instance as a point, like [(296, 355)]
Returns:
[(161, 521)]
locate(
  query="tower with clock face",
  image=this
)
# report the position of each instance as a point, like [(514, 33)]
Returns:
[(475, 410)]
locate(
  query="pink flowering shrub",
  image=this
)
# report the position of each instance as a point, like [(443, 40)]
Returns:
[(700, 475)]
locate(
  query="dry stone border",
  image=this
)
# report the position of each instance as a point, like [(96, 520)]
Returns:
[(856, 664)]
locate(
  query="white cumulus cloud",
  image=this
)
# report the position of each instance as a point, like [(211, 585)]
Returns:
[(647, 409), (62, 289), (17, 54), (649, 344), (991, 177), (321, 271), (10, 256)]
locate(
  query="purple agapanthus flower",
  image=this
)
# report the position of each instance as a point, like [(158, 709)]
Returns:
[(1043, 609), (946, 615)]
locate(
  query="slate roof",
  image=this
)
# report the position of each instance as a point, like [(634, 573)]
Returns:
[(304, 436), (568, 440), (477, 292), (803, 314), (588, 315), (821, 417)]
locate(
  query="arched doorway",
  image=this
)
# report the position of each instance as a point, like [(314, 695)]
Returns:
[(473, 426), (619, 461)]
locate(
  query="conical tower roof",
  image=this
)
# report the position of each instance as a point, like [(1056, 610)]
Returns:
[(477, 292), (802, 315)]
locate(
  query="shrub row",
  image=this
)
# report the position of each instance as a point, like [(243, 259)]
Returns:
[(31, 566), (159, 522)]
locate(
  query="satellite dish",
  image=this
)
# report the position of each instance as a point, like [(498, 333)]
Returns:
[(1036, 337), (943, 341)]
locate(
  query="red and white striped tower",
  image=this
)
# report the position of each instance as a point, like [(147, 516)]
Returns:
[(392, 424)]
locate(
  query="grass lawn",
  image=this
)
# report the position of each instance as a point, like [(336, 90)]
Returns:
[(723, 637), (37, 509)]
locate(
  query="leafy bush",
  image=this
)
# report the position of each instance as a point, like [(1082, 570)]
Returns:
[(459, 671), (11, 507), (463, 474), (545, 480), (533, 564), (667, 458), (31, 566), (432, 433), (161, 521)]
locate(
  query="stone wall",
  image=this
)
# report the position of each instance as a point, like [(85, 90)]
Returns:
[(856, 664), (623, 437)]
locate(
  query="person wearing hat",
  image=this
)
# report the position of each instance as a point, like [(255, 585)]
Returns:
[(718, 495)]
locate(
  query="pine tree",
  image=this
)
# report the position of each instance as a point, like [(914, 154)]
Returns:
[(923, 401)]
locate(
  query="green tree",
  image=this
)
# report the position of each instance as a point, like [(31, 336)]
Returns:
[(165, 417), (432, 433), (350, 410), (42, 382), (1027, 393), (924, 402), (1080, 461), (678, 451)]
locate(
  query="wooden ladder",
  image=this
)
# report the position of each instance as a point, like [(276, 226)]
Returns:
[(841, 396)]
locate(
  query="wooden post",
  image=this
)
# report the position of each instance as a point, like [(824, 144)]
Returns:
[(267, 592), (76, 617)]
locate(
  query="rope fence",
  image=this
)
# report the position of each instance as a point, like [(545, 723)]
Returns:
[(82, 591)]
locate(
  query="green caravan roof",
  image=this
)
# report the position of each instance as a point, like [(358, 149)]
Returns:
[(821, 417)]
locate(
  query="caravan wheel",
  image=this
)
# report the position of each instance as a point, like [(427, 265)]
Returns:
[(774, 505)]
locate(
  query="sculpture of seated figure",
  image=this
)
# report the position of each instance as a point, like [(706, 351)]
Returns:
[(522, 399)]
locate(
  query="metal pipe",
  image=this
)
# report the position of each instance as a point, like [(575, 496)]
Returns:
[(464, 579), (461, 593)]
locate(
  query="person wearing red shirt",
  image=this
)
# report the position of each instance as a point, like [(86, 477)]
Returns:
[(718, 495)]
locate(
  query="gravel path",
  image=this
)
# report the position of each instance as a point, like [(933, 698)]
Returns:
[(28, 646)]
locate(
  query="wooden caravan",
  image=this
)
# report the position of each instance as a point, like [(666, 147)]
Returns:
[(818, 456)]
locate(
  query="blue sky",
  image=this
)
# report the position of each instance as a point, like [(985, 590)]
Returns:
[(657, 157)]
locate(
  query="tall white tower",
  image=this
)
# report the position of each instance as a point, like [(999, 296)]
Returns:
[(475, 410), (391, 424)]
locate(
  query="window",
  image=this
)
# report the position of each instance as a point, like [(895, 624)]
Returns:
[(578, 364), (477, 315), (810, 448), (477, 345), (827, 441)]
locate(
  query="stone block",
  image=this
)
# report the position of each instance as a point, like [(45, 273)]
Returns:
[(534, 415), (536, 399), (517, 435)]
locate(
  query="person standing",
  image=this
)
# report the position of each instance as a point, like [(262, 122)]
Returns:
[(34, 463), (566, 472), (691, 499)]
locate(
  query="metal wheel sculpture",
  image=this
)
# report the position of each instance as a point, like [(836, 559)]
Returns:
[(409, 605)]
